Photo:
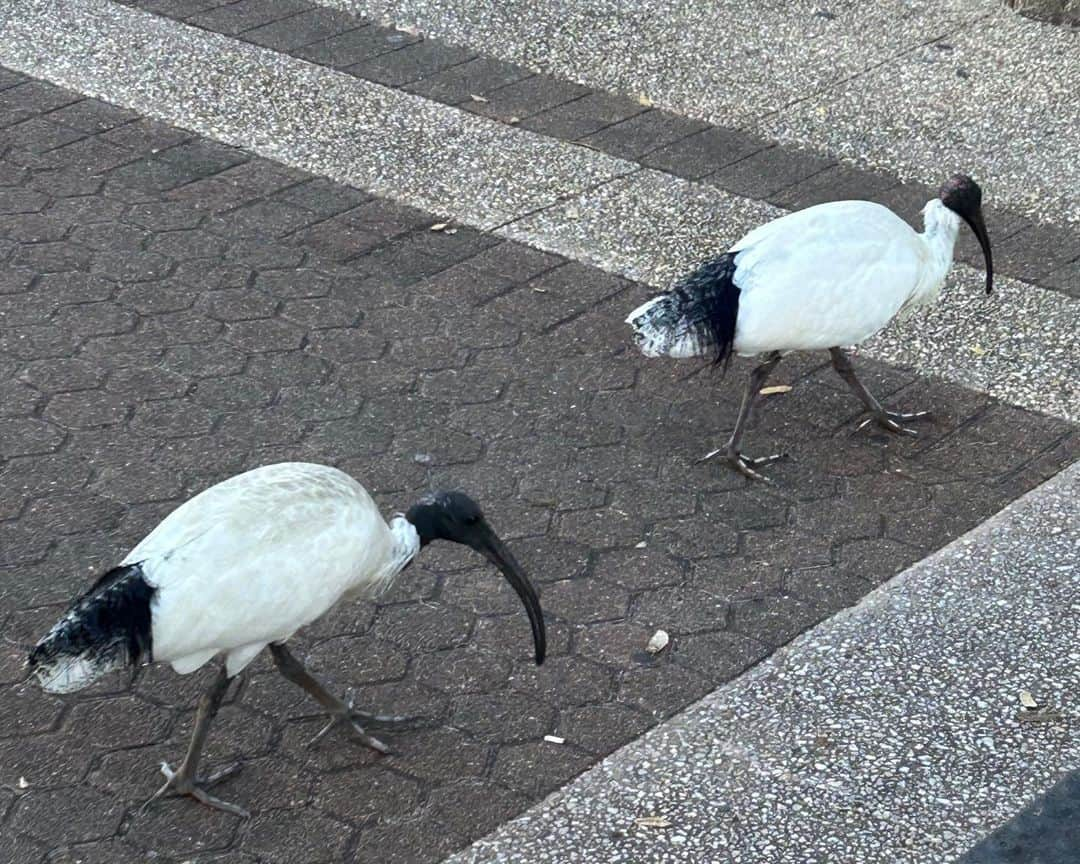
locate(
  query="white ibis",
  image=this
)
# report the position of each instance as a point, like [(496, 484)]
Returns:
[(829, 276), (244, 565)]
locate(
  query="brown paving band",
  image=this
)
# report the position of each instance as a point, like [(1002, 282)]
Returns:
[(731, 159), (173, 311)]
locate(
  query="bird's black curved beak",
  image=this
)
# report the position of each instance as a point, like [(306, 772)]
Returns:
[(487, 543), (975, 222)]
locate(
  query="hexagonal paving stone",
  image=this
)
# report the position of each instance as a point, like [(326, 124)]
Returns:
[(463, 670), (303, 836), (126, 721), (29, 711), (584, 601), (503, 718), (180, 826), (366, 793), (64, 816)]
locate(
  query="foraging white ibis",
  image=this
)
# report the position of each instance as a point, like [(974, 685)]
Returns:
[(241, 567), (826, 277)]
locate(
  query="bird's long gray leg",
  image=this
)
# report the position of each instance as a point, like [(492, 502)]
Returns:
[(341, 710), (744, 464), (890, 420), (185, 781)]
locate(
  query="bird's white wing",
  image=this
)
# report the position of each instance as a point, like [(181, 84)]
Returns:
[(830, 275), (254, 558)]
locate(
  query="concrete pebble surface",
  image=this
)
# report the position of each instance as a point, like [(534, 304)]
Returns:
[(907, 87), (449, 162), (737, 160)]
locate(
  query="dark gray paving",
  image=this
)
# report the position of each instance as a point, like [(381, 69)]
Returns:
[(1046, 832), (173, 311)]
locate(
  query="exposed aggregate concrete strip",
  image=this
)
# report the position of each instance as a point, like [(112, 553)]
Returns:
[(912, 87)]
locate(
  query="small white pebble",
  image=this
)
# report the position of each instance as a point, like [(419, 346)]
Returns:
[(658, 642)]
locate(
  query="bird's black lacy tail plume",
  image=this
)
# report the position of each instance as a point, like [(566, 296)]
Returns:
[(106, 628), (696, 318)]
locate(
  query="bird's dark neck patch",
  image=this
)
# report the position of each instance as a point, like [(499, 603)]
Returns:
[(709, 304)]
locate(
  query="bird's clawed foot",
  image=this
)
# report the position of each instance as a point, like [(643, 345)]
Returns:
[(902, 417), (355, 720), (745, 465), (180, 783), (894, 420)]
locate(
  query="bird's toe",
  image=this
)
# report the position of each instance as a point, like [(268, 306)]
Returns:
[(322, 733), (383, 719), (893, 426), (757, 461), (744, 466), (170, 780), (891, 422), (369, 740), (204, 797), (905, 417), (709, 455), (220, 775)]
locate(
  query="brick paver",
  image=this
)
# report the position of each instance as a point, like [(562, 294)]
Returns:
[(172, 311)]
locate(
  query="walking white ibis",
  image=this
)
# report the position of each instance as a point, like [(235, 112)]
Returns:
[(244, 565), (826, 277)]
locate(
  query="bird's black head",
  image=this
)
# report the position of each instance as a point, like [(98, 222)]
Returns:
[(963, 196), (446, 516), (456, 517)]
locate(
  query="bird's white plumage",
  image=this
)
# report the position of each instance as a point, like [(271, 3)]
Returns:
[(829, 276), (835, 274), (253, 559)]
